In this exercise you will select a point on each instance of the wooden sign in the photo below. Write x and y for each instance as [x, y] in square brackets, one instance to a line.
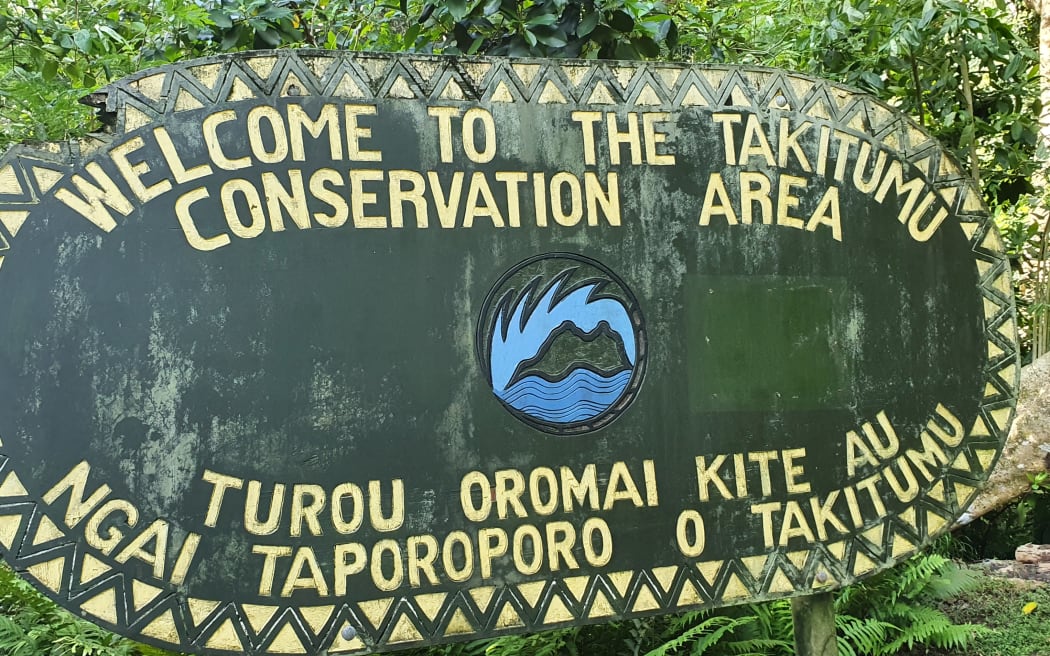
[348, 352]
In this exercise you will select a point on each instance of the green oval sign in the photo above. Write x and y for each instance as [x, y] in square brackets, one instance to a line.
[346, 352]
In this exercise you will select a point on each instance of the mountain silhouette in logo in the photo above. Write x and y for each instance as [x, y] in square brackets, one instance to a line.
[601, 352]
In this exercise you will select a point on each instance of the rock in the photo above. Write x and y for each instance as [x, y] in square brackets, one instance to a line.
[1033, 553]
[1027, 448]
[1022, 573]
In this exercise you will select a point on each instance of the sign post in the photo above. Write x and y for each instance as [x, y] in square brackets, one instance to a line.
[349, 352]
[814, 619]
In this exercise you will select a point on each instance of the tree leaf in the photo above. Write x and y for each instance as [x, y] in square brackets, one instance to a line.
[929, 11]
[587, 24]
[672, 35]
[1012, 67]
[457, 9]
[221, 19]
[519, 49]
[82, 41]
[968, 133]
[646, 46]
[232, 38]
[269, 36]
[553, 39]
[851, 12]
[49, 69]
[662, 28]
[625, 50]
[274, 13]
[873, 80]
[621, 21]
[411, 34]
[110, 32]
[539, 15]
[75, 73]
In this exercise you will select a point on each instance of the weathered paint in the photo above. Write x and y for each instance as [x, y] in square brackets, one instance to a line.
[286, 362]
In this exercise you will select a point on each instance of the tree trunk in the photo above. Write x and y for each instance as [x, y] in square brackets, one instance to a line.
[813, 617]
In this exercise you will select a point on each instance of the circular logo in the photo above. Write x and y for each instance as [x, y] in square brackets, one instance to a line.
[562, 342]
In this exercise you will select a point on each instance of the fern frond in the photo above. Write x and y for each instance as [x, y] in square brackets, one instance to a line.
[845, 648]
[759, 647]
[15, 639]
[951, 581]
[934, 629]
[863, 637]
[774, 619]
[706, 634]
[915, 574]
[548, 643]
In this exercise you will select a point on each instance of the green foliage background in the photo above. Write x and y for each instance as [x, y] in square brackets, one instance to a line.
[967, 71]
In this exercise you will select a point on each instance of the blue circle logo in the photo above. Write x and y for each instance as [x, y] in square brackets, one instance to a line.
[561, 340]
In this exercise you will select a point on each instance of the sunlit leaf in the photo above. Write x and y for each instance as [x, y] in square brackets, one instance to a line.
[411, 34]
[221, 19]
[49, 70]
[457, 9]
[82, 41]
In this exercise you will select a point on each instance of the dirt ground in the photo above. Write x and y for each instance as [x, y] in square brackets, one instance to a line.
[1011, 569]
